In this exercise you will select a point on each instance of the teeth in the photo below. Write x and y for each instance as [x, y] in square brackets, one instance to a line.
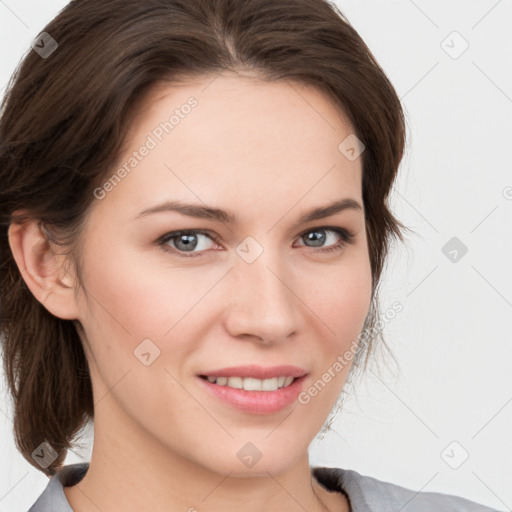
[234, 382]
[251, 384]
[288, 381]
[269, 384]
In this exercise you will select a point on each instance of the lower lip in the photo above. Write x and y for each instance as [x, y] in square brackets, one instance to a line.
[256, 402]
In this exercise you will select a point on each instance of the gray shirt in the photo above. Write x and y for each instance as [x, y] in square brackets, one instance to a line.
[365, 493]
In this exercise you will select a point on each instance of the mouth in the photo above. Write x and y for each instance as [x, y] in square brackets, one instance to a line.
[253, 389]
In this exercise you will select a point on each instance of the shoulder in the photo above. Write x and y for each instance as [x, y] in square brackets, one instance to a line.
[53, 498]
[370, 494]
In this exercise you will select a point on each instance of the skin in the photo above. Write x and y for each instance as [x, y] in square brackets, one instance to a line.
[268, 152]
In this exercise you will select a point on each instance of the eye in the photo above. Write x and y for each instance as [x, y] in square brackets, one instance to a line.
[317, 236]
[182, 242]
[185, 241]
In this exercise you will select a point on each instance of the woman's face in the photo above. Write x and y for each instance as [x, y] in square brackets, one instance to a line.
[266, 289]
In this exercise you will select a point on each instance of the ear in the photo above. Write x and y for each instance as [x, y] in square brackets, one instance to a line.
[43, 270]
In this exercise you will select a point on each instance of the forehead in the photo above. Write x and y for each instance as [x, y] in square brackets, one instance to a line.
[214, 135]
[242, 111]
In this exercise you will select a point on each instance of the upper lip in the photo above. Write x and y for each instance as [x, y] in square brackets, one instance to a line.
[257, 372]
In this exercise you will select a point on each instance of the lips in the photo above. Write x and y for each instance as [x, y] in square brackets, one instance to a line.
[255, 401]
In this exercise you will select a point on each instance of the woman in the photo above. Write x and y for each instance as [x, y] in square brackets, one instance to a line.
[195, 220]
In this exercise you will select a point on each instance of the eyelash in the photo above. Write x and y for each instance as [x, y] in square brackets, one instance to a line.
[346, 238]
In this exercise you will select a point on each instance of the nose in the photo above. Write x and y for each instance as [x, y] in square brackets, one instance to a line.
[262, 304]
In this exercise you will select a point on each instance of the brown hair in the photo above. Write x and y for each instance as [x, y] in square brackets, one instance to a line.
[63, 123]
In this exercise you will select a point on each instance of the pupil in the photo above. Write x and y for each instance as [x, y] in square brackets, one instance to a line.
[189, 244]
[314, 238]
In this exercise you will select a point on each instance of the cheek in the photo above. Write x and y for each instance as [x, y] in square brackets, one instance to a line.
[344, 298]
[131, 301]
[138, 294]
[136, 322]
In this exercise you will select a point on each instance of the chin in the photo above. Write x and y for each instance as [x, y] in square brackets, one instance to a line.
[249, 459]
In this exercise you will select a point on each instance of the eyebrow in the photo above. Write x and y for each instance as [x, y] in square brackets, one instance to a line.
[219, 215]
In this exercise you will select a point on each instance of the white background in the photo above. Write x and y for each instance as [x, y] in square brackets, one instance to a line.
[452, 339]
